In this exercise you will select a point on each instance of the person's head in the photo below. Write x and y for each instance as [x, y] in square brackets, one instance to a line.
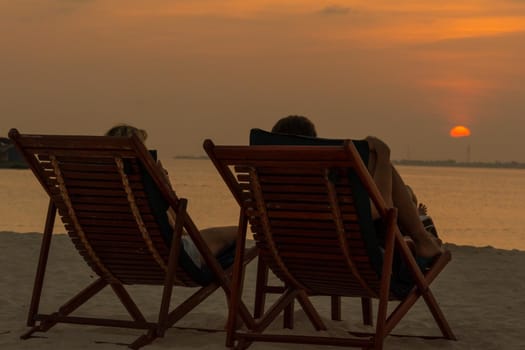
[295, 125]
[127, 130]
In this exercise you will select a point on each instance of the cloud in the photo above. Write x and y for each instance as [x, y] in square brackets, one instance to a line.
[75, 1]
[503, 41]
[68, 7]
[335, 10]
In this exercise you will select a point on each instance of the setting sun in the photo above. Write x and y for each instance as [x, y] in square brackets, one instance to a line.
[459, 131]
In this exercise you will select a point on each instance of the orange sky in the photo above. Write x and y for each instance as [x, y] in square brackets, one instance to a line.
[406, 71]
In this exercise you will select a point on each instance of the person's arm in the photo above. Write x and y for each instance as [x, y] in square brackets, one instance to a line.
[164, 173]
[380, 167]
[379, 147]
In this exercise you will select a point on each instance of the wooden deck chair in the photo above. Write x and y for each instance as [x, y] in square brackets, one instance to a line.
[262, 137]
[104, 189]
[309, 209]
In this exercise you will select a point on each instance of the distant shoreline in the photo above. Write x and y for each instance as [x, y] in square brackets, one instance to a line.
[430, 163]
[453, 163]
[191, 157]
[436, 163]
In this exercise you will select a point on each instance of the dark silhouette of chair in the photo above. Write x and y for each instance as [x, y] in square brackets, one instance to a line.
[262, 137]
[309, 210]
[112, 198]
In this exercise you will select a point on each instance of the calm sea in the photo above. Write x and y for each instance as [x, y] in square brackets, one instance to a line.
[478, 207]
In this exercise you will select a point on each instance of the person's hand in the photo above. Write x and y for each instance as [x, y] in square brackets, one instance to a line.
[422, 209]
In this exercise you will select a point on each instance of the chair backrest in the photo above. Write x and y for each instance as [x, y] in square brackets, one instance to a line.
[309, 211]
[99, 186]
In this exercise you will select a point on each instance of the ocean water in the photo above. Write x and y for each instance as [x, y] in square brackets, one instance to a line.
[470, 206]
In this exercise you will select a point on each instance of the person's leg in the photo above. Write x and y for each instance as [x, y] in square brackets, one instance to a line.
[219, 238]
[395, 193]
[409, 221]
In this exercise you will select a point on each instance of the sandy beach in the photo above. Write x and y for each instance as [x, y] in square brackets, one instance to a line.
[480, 292]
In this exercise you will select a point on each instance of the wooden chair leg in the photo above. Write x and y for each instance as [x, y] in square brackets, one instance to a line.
[421, 288]
[42, 263]
[336, 307]
[234, 302]
[310, 311]
[288, 314]
[173, 260]
[384, 293]
[260, 288]
[438, 315]
[128, 302]
[286, 298]
[144, 339]
[366, 306]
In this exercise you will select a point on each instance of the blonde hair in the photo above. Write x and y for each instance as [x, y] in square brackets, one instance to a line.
[127, 130]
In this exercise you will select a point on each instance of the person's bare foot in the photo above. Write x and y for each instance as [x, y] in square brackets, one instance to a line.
[427, 246]
[436, 239]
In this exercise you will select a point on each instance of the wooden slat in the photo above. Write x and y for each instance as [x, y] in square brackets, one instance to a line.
[281, 179]
[108, 201]
[290, 197]
[104, 245]
[262, 171]
[86, 223]
[106, 176]
[76, 154]
[89, 168]
[103, 207]
[88, 183]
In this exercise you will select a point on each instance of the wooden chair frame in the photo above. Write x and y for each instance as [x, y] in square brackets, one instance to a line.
[51, 148]
[239, 166]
